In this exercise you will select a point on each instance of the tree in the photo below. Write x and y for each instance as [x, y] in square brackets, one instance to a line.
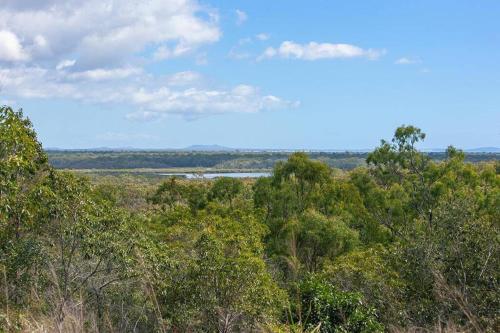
[451, 266]
[405, 241]
[23, 166]
[61, 245]
[295, 186]
[319, 238]
[223, 284]
[225, 190]
[22, 162]
[169, 193]
[303, 176]
[332, 310]
[372, 273]
[400, 163]
[87, 243]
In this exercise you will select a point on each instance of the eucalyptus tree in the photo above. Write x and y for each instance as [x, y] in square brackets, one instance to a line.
[23, 166]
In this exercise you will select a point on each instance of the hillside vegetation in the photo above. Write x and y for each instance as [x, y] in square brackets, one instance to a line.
[190, 159]
[114, 160]
[403, 243]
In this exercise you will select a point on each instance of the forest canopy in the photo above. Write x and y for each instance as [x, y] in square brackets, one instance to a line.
[402, 243]
[110, 160]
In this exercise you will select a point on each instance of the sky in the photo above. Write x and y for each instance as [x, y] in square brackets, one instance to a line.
[277, 74]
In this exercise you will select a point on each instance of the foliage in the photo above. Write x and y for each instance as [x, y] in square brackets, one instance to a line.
[225, 189]
[371, 273]
[408, 241]
[332, 310]
[115, 160]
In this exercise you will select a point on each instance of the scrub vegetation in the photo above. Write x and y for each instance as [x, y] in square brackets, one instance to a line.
[401, 243]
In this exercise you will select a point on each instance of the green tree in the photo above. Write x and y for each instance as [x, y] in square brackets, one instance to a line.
[303, 176]
[169, 193]
[371, 272]
[23, 166]
[332, 310]
[222, 284]
[225, 190]
[319, 238]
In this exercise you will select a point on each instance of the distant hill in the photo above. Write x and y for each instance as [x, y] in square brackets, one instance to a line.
[218, 148]
[483, 150]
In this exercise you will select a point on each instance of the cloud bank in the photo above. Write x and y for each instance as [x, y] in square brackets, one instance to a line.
[183, 93]
[100, 33]
[95, 51]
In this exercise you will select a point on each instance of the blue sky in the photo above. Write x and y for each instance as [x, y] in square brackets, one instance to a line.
[252, 74]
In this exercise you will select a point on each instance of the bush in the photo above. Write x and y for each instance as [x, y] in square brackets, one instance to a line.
[334, 310]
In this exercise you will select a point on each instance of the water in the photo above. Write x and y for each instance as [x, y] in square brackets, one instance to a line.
[216, 175]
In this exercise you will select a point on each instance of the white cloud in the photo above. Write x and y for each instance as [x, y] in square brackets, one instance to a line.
[11, 48]
[185, 78]
[262, 36]
[316, 51]
[102, 33]
[65, 64]
[23, 82]
[240, 50]
[164, 52]
[241, 17]
[101, 74]
[198, 102]
[143, 116]
[93, 51]
[268, 53]
[237, 52]
[234, 53]
[185, 93]
[408, 61]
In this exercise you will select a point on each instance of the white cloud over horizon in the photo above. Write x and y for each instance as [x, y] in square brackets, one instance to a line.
[198, 102]
[316, 51]
[185, 93]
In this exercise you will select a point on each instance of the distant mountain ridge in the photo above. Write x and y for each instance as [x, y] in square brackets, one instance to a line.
[483, 150]
[219, 148]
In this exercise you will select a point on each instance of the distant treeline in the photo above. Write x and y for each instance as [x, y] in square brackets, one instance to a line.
[220, 160]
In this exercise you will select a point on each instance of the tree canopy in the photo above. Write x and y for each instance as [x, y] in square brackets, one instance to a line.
[404, 243]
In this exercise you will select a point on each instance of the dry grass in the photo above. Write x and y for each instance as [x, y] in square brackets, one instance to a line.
[438, 328]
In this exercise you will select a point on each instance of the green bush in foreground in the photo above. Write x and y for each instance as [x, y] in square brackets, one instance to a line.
[325, 306]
